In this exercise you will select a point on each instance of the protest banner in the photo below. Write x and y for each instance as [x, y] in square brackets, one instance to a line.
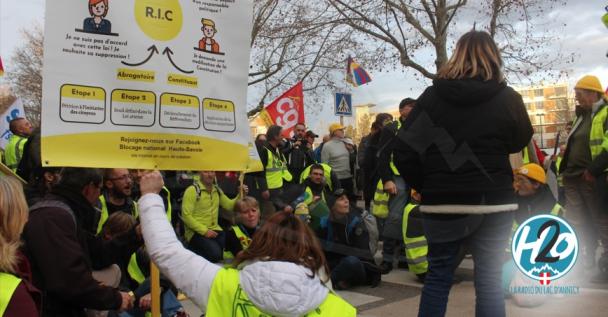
[286, 111]
[146, 84]
[13, 111]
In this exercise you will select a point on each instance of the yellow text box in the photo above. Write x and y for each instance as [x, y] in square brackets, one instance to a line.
[181, 80]
[83, 92]
[133, 96]
[178, 100]
[136, 75]
[218, 105]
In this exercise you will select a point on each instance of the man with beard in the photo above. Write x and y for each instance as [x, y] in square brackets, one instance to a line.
[116, 195]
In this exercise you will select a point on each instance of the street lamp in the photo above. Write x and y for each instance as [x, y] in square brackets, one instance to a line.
[540, 118]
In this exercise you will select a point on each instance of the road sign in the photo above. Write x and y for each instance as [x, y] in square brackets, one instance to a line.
[343, 105]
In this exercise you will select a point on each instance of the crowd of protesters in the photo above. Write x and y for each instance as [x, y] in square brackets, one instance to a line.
[420, 191]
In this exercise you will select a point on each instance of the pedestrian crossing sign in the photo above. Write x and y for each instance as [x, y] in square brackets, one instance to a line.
[343, 105]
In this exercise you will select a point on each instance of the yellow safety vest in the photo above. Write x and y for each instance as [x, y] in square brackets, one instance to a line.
[525, 155]
[309, 196]
[392, 164]
[105, 214]
[380, 202]
[276, 170]
[598, 137]
[244, 239]
[14, 151]
[416, 248]
[326, 173]
[8, 283]
[227, 298]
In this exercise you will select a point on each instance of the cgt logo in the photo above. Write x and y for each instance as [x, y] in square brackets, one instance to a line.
[544, 248]
[288, 113]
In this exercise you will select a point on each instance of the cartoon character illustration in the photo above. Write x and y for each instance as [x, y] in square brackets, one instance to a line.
[207, 43]
[97, 23]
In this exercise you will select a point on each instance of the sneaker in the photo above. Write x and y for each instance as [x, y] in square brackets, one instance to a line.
[386, 267]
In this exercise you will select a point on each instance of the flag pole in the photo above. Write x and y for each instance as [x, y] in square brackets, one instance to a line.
[155, 289]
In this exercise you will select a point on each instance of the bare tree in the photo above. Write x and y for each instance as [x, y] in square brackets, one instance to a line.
[295, 41]
[405, 31]
[25, 75]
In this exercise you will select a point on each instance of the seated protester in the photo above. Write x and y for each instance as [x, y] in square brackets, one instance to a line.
[534, 198]
[238, 237]
[62, 227]
[116, 195]
[279, 274]
[118, 224]
[200, 210]
[316, 191]
[170, 204]
[533, 194]
[345, 237]
[18, 297]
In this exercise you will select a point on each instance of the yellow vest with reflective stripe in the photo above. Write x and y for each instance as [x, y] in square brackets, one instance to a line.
[244, 239]
[557, 211]
[228, 299]
[380, 202]
[105, 214]
[598, 138]
[276, 170]
[8, 285]
[14, 151]
[326, 174]
[134, 271]
[416, 248]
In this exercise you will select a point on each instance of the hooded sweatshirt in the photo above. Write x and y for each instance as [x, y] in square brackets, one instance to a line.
[455, 144]
[275, 287]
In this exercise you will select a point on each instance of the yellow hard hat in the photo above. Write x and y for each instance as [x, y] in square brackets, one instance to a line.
[590, 82]
[335, 127]
[532, 171]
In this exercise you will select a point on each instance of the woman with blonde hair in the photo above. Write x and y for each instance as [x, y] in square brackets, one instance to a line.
[454, 149]
[277, 275]
[15, 293]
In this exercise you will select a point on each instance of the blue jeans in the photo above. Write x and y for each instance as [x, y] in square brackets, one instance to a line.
[210, 249]
[487, 240]
[349, 272]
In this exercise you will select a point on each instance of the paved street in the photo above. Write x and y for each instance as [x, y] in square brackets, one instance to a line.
[399, 293]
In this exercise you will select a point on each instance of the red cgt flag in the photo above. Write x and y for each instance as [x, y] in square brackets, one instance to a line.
[286, 111]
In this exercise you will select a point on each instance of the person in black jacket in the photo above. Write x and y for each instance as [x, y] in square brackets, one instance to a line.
[345, 238]
[454, 149]
[63, 249]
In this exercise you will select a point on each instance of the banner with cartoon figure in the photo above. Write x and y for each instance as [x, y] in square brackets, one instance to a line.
[146, 84]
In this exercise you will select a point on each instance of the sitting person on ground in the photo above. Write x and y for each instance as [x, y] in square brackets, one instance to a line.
[316, 190]
[18, 297]
[345, 237]
[138, 273]
[279, 274]
[238, 237]
[116, 195]
[416, 247]
[62, 227]
[200, 211]
[533, 198]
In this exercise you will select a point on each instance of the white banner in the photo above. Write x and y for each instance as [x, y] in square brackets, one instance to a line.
[146, 84]
[14, 111]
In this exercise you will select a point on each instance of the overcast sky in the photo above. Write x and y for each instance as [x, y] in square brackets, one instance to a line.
[584, 35]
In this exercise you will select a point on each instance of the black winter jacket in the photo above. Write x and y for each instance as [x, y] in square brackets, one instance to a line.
[454, 146]
[63, 250]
